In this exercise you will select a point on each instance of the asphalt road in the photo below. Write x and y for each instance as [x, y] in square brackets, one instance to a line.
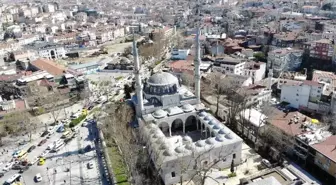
[54, 171]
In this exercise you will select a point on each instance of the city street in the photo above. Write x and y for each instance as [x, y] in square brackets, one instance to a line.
[66, 166]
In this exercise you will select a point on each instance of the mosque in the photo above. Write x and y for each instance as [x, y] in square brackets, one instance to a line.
[180, 136]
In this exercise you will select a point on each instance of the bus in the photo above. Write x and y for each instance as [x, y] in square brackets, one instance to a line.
[22, 154]
[66, 133]
[14, 178]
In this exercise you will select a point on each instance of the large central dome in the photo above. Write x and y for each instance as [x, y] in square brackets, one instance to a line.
[162, 78]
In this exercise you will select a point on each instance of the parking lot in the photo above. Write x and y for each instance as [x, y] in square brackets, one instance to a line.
[67, 166]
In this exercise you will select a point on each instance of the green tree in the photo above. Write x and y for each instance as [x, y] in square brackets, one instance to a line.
[260, 57]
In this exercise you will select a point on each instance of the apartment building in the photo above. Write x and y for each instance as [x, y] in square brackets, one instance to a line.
[255, 70]
[285, 59]
[322, 49]
[229, 65]
[304, 95]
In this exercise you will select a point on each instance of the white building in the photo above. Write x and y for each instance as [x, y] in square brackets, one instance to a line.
[255, 70]
[179, 135]
[180, 54]
[285, 59]
[250, 121]
[304, 95]
[229, 65]
[48, 50]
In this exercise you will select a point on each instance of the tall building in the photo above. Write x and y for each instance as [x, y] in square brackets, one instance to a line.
[180, 136]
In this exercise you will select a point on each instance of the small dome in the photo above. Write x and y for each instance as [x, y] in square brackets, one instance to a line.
[229, 136]
[158, 134]
[210, 141]
[190, 146]
[179, 149]
[160, 140]
[159, 113]
[223, 131]
[151, 125]
[200, 143]
[187, 108]
[220, 138]
[168, 153]
[208, 118]
[212, 122]
[164, 146]
[187, 139]
[216, 127]
[153, 131]
[203, 114]
[162, 78]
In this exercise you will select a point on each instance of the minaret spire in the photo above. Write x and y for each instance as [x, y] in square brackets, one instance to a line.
[137, 79]
[198, 60]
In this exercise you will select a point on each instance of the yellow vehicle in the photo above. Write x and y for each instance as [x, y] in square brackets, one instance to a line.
[41, 161]
[66, 133]
[22, 154]
[84, 112]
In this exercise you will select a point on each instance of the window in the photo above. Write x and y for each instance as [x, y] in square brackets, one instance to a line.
[318, 91]
[173, 174]
[233, 156]
[297, 94]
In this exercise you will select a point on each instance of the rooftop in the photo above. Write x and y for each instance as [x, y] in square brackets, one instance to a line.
[327, 148]
[292, 123]
[49, 66]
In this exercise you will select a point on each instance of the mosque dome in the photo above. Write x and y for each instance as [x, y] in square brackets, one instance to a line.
[200, 143]
[168, 153]
[190, 146]
[187, 108]
[210, 141]
[220, 138]
[180, 149]
[216, 127]
[162, 78]
[202, 114]
[162, 83]
[223, 131]
[164, 146]
[212, 122]
[228, 136]
[159, 113]
[207, 118]
[187, 139]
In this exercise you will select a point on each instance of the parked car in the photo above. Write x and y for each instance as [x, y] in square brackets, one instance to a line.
[23, 143]
[43, 154]
[88, 148]
[34, 161]
[90, 107]
[38, 177]
[16, 167]
[44, 133]
[31, 148]
[266, 163]
[42, 142]
[90, 165]
[8, 166]
[1, 175]
[23, 169]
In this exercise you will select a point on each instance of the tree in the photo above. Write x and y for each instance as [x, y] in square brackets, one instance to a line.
[187, 79]
[117, 131]
[128, 91]
[260, 57]
[127, 51]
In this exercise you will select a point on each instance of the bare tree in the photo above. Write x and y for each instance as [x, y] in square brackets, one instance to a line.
[118, 132]
[187, 79]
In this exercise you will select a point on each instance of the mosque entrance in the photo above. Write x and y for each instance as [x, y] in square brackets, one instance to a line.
[177, 126]
[164, 126]
[191, 124]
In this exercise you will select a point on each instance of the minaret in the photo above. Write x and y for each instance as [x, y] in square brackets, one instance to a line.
[197, 64]
[137, 75]
[270, 76]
